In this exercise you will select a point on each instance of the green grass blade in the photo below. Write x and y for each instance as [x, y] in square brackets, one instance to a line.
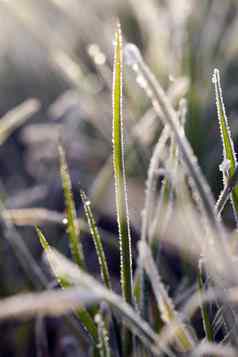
[119, 173]
[72, 226]
[101, 259]
[43, 241]
[224, 196]
[207, 326]
[229, 155]
[81, 313]
[97, 241]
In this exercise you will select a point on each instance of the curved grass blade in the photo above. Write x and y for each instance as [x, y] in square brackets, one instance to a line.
[97, 240]
[165, 304]
[48, 302]
[71, 272]
[72, 226]
[119, 173]
[229, 155]
[81, 313]
[169, 116]
[16, 117]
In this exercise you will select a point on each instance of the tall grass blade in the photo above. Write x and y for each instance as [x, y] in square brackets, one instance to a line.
[229, 155]
[81, 313]
[97, 241]
[72, 226]
[119, 172]
[147, 211]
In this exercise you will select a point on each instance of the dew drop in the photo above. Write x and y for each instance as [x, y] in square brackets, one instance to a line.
[141, 81]
[97, 319]
[215, 76]
[65, 221]
[135, 67]
[149, 92]
[171, 78]
[214, 80]
[87, 203]
[132, 54]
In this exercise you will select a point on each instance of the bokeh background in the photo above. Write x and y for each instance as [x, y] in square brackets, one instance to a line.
[61, 53]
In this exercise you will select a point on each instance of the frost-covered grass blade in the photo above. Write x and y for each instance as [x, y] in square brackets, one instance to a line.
[103, 337]
[167, 113]
[165, 304]
[229, 155]
[97, 241]
[119, 172]
[81, 313]
[72, 226]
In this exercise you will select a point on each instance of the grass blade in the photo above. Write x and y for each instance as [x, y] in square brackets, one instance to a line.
[81, 313]
[229, 155]
[16, 117]
[72, 226]
[224, 196]
[51, 303]
[165, 203]
[103, 337]
[204, 311]
[151, 180]
[148, 209]
[165, 304]
[170, 118]
[119, 173]
[97, 241]
[103, 269]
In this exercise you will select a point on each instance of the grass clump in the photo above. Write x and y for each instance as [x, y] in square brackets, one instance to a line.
[161, 324]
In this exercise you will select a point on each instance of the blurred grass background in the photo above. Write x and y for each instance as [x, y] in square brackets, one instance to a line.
[60, 52]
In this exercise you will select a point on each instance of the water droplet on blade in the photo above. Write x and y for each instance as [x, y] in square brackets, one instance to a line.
[65, 221]
[132, 54]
